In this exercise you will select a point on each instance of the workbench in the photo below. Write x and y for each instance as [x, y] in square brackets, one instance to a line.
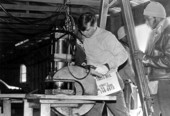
[45, 102]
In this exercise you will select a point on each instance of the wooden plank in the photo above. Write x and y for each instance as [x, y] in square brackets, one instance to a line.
[41, 14]
[141, 79]
[30, 7]
[30, 15]
[71, 97]
[7, 107]
[28, 111]
[104, 7]
[12, 95]
[71, 2]
[65, 105]
[28, 31]
[51, 101]
[0, 111]
[45, 110]
[17, 101]
[54, 8]
[103, 13]
[37, 105]
[59, 97]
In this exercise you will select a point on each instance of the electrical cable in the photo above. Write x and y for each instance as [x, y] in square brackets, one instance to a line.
[88, 72]
[83, 90]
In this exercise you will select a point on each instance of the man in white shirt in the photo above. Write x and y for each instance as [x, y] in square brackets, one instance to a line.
[106, 53]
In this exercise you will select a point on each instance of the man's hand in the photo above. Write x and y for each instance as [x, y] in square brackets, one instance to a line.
[102, 69]
[96, 74]
[139, 55]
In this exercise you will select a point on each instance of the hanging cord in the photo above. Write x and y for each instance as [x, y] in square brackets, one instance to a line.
[87, 67]
[83, 90]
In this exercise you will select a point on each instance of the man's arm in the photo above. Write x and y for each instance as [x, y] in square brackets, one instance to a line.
[162, 61]
[119, 53]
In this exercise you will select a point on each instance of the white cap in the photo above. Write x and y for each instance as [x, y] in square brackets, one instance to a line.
[121, 32]
[155, 9]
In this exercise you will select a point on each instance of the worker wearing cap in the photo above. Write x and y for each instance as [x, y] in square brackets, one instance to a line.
[157, 57]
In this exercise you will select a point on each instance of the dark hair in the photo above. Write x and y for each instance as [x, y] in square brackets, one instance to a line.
[84, 19]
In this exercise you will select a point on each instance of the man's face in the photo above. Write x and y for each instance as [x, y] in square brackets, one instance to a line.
[151, 21]
[89, 31]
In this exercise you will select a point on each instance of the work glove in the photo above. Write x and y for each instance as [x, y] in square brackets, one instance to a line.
[102, 69]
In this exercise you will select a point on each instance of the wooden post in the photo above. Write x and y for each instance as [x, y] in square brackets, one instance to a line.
[28, 111]
[141, 79]
[104, 7]
[6, 107]
[45, 110]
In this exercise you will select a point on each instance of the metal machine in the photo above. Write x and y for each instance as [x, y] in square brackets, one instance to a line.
[63, 83]
[66, 78]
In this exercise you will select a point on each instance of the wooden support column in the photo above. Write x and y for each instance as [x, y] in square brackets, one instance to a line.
[28, 111]
[104, 7]
[141, 79]
[45, 110]
[6, 107]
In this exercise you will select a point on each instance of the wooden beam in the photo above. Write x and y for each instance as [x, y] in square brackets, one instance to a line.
[25, 15]
[12, 95]
[71, 2]
[7, 107]
[32, 7]
[65, 101]
[72, 97]
[103, 13]
[22, 26]
[28, 111]
[112, 2]
[58, 97]
[41, 11]
[104, 7]
[142, 82]
[45, 109]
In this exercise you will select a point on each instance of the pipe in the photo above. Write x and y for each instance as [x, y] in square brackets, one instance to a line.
[9, 86]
